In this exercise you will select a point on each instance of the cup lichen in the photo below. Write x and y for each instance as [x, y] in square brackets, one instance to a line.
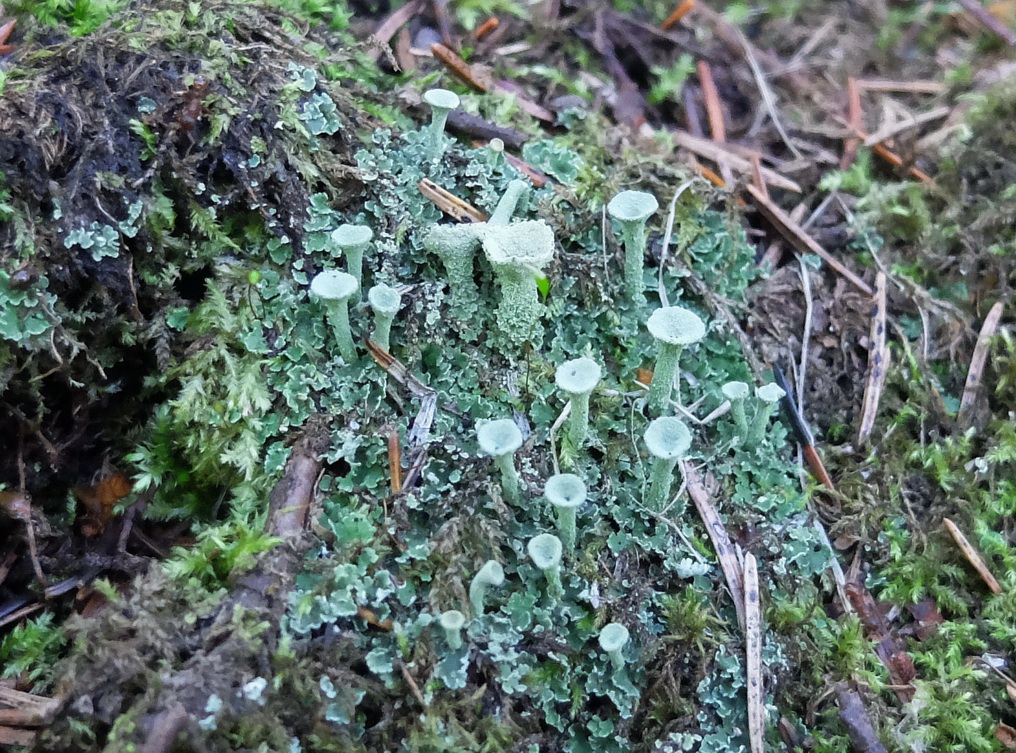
[768, 396]
[668, 440]
[578, 378]
[545, 550]
[490, 575]
[517, 252]
[500, 439]
[613, 638]
[441, 102]
[737, 393]
[566, 492]
[673, 328]
[455, 246]
[335, 289]
[385, 302]
[452, 622]
[632, 209]
[353, 240]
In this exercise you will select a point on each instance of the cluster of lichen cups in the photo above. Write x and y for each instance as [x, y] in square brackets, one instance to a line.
[766, 398]
[337, 290]
[516, 252]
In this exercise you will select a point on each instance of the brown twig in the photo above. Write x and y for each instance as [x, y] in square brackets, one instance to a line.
[725, 552]
[878, 361]
[722, 153]
[461, 69]
[399, 18]
[907, 87]
[854, 114]
[801, 240]
[449, 203]
[483, 82]
[711, 97]
[395, 461]
[977, 361]
[895, 129]
[537, 178]
[753, 655]
[413, 687]
[682, 10]
[486, 27]
[482, 130]
[972, 556]
[984, 17]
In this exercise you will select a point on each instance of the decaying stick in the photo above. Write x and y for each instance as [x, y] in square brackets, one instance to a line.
[895, 129]
[753, 655]
[392, 24]
[878, 361]
[854, 115]
[682, 10]
[977, 361]
[973, 556]
[856, 719]
[449, 203]
[984, 17]
[725, 551]
[724, 155]
[801, 240]
[908, 87]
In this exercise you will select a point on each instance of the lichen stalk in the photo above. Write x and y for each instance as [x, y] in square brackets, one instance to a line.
[633, 236]
[566, 527]
[338, 317]
[383, 328]
[740, 419]
[509, 477]
[491, 574]
[516, 191]
[438, 120]
[661, 478]
[578, 420]
[354, 265]
[519, 310]
[554, 587]
[763, 412]
[663, 385]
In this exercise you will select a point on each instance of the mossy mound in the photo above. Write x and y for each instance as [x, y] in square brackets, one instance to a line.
[181, 253]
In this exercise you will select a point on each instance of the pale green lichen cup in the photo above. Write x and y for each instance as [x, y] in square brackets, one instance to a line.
[668, 440]
[566, 492]
[673, 328]
[631, 209]
[500, 439]
[335, 289]
[578, 378]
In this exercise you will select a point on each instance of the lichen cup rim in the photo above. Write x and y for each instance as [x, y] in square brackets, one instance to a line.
[352, 235]
[492, 573]
[499, 437]
[676, 326]
[613, 637]
[565, 490]
[667, 438]
[442, 98]
[735, 390]
[529, 243]
[333, 285]
[545, 550]
[770, 393]
[632, 206]
[578, 376]
[385, 298]
[452, 619]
